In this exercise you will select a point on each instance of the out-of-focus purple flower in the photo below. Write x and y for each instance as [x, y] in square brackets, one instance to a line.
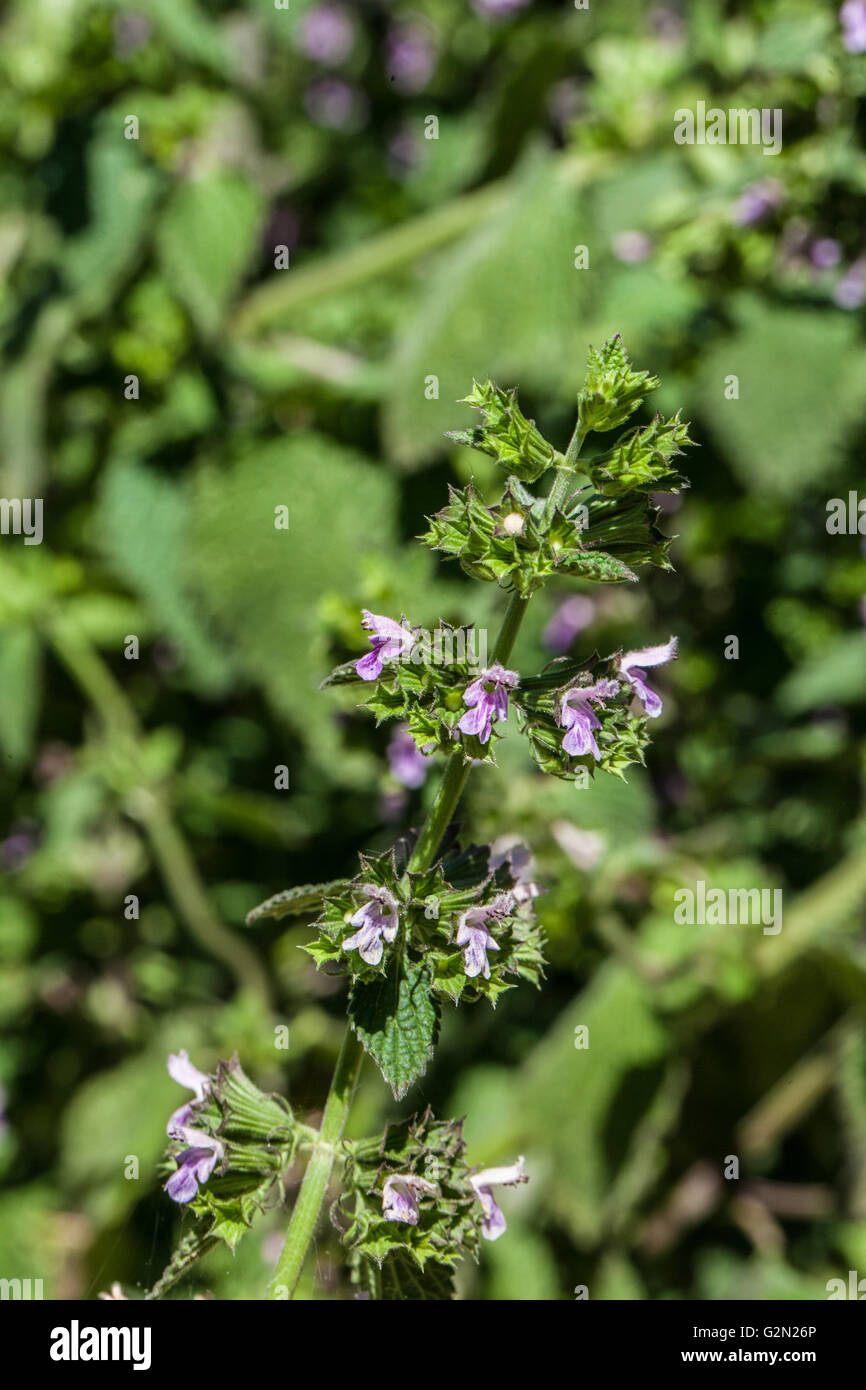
[493, 1223]
[498, 9]
[853, 18]
[631, 247]
[334, 105]
[666, 24]
[195, 1164]
[757, 201]
[579, 719]
[377, 921]
[400, 1197]
[825, 253]
[510, 850]
[410, 56]
[631, 666]
[487, 698]
[570, 618]
[389, 641]
[181, 1070]
[20, 843]
[583, 847]
[406, 763]
[326, 34]
[402, 153]
[473, 934]
[130, 31]
[851, 289]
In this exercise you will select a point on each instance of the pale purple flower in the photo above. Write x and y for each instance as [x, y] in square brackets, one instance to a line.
[181, 1070]
[825, 253]
[400, 1197]
[853, 17]
[326, 34]
[851, 289]
[496, 9]
[487, 698]
[474, 937]
[377, 921]
[577, 716]
[407, 764]
[631, 667]
[758, 200]
[334, 105]
[195, 1164]
[493, 1224]
[583, 847]
[389, 641]
[571, 616]
[631, 247]
[510, 850]
[411, 56]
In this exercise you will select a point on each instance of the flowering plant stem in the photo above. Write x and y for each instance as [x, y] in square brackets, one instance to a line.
[318, 1174]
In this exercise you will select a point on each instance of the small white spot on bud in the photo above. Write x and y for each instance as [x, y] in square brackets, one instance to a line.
[513, 523]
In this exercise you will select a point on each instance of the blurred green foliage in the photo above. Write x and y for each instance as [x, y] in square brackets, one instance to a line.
[308, 388]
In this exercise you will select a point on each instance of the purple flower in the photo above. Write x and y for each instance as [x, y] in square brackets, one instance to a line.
[572, 615]
[514, 853]
[497, 8]
[853, 17]
[400, 1197]
[473, 936]
[181, 1070]
[758, 201]
[334, 105]
[488, 701]
[631, 247]
[493, 1224]
[389, 642]
[195, 1164]
[377, 921]
[825, 253]
[579, 719]
[326, 34]
[411, 57]
[407, 764]
[851, 289]
[631, 667]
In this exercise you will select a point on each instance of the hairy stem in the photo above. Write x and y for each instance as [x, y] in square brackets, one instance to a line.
[306, 1212]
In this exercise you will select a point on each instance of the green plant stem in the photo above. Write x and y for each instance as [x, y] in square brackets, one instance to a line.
[149, 806]
[314, 1186]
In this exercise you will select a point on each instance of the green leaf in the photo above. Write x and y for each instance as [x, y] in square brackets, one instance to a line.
[504, 301]
[206, 240]
[802, 392]
[148, 555]
[397, 1021]
[402, 1279]
[308, 897]
[505, 433]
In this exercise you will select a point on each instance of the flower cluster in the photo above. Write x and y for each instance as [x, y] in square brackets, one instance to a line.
[433, 683]
[229, 1144]
[450, 918]
[410, 1201]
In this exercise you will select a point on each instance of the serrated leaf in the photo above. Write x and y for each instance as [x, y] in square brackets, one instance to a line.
[397, 1021]
[401, 1279]
[291, 902]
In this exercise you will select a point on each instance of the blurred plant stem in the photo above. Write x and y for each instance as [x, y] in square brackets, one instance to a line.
[150, 806]
[314, 1186]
